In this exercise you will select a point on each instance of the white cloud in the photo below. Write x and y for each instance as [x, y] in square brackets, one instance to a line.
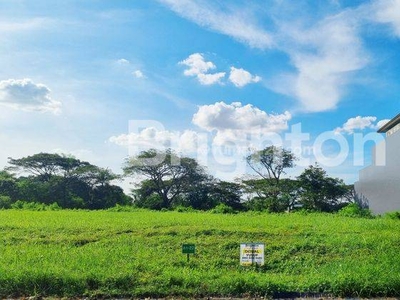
[221, 116]
[325, 52]
[208, 79]
[138, 74]
[360, 123]
[197, 65]
[388, 11]
[381, 123]
[8, 26]
[234, 122]
[324, 57]
[236, 24]
[150, 137]
[123, 62]
[241, 77]
[26, 95]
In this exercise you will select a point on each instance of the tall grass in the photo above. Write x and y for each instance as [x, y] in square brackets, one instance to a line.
[138, 253]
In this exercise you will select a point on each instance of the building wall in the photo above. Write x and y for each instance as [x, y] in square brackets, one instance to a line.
[379, 184]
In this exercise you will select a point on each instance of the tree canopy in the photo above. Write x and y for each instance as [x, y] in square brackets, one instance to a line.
[168, 174]
[65, 180]
[165, 179]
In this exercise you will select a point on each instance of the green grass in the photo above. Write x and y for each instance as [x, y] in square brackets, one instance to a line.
[138, 254]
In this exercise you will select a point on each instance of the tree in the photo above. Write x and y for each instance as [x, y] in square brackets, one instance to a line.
[70, 182]
[263, 194]
[170, 175]
[228, 193]
[269, 163]
[319, 191]
[45, 165]
[8, 185]
[211, 192]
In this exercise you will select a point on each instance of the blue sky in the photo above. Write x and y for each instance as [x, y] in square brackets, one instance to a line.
[102, 80]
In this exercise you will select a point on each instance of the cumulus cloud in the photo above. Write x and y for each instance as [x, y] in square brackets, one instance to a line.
[198, 66]
[241, 77]
[150, 137]
[26, 95]
[388, 12]
[220, 116]
[360, 123]
[224, 124]
[209, 79]
[382, 123]
[235, 121]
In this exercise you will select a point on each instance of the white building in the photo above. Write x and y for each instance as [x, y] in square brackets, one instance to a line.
[379, 184]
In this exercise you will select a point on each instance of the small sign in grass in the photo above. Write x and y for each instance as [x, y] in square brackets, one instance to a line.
[251, 254]
[188, 249]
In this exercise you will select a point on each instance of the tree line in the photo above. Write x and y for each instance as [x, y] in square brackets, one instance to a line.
[54, 178]
[167, 180]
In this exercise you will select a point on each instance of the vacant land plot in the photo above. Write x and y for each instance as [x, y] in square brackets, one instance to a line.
[70, 253]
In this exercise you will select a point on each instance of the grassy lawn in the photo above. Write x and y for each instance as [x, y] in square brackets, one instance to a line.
[102, 253]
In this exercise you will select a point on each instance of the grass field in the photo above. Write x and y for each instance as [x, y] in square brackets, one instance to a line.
[102, 253]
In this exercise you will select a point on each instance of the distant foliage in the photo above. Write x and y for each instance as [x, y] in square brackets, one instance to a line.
[166, 181]
[223, 209]
[181, 208]
[23, 205]
[53, 178]
[355, 211]
[123, 208]
[5, 202]
[395, 215]
[320, 192]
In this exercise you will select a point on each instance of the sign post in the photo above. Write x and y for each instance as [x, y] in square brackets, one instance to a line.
[188, 249]
[251, 254]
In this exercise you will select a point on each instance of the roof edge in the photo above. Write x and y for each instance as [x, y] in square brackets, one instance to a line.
[389, 125]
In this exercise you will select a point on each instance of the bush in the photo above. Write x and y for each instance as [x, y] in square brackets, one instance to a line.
[181, 208]
[5, 202]
[122, 208]
[54, 206]
[223, 209]
[394, 215]
[355, 211]
[23, 205]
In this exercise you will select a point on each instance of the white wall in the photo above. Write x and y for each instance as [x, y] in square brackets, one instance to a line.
[380, 185]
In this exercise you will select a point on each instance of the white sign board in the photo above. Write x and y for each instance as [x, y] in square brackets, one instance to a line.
[252, 253]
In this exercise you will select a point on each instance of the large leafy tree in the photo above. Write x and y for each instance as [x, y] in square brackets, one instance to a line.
[8, 185]
[270, 164]
[264, 194]
[168, 174]
[45, 165]
[319, 191]
[66, 180]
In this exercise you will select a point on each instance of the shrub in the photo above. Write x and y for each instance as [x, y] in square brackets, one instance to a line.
[223, 209]
[5, 202]
[355, 211]
[122, 208]
[23, 205]
[54, 206]
[395, 215]
[181, 208]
